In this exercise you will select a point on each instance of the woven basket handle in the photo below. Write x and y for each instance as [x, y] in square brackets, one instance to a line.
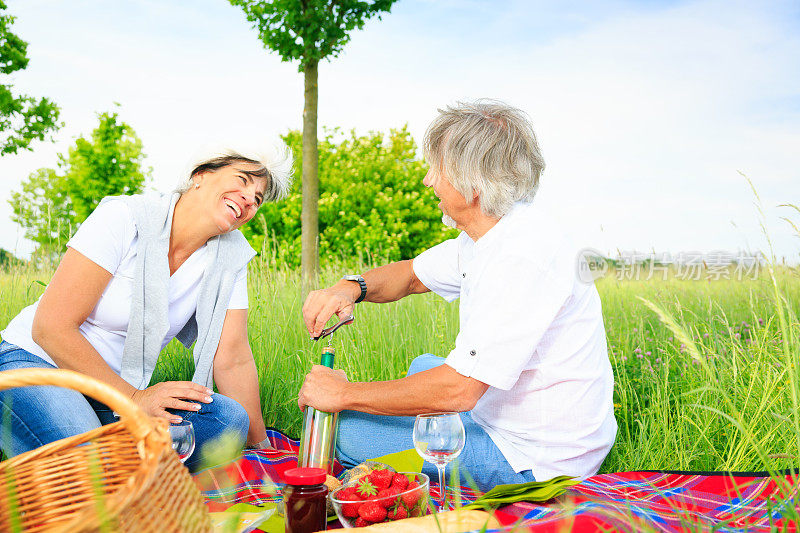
[136, 420]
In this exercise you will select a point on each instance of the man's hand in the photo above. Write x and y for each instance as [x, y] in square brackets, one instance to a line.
[323, 389]
[321, 305]
[157, 399]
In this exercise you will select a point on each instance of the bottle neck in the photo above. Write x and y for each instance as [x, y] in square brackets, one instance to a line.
[327, 358]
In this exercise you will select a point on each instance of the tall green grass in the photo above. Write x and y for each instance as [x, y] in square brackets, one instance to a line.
[706, 372]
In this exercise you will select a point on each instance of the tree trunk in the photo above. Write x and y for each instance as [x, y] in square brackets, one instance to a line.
[310, 217]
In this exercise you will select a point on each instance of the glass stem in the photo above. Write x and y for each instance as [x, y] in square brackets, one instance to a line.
[442, 486]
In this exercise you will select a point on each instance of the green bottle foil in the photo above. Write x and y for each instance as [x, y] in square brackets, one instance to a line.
[318, 440]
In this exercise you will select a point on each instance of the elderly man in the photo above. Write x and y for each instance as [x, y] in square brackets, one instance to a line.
[529, 372]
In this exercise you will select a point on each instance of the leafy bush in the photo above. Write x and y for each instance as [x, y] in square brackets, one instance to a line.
[8, 260]
[373, 205]
[54, 202]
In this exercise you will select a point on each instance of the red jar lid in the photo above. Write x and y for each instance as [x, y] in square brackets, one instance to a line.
[305, 476]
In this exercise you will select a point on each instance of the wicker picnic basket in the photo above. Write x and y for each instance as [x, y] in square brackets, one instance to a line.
[120, 477]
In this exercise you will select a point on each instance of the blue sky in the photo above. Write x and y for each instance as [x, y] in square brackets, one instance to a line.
[646, 111]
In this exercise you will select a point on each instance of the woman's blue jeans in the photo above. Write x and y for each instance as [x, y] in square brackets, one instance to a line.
[33, 416]
[364, 436]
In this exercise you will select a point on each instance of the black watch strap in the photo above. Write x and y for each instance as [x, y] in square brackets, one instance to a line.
[361, 283]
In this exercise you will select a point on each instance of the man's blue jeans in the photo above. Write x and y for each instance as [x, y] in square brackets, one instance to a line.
[33, 416]
[364, 436]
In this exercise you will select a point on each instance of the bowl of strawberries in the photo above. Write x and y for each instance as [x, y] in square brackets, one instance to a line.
[381, 496]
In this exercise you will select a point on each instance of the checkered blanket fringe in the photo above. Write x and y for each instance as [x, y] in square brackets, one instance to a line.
[623, 501]
[668, 501]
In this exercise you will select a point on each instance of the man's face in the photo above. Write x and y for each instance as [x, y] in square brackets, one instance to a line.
[452, 204]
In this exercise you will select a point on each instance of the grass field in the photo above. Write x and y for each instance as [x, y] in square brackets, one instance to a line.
[706, 371]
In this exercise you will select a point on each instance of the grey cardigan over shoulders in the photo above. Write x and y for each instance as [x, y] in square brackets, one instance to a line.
[227, 254]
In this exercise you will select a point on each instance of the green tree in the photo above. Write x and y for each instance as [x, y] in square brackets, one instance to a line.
[372, 202]
[108, 163]
[44, 210]
[8, 260]
[23, 119]
[53, 202]
[309, 31]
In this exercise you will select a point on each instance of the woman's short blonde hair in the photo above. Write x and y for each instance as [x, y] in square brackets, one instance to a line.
[489, 148]
[276, 169]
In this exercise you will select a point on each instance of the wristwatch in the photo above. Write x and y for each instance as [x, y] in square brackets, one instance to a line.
[361, 283]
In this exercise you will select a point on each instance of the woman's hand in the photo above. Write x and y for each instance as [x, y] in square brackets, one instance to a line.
[157, 399]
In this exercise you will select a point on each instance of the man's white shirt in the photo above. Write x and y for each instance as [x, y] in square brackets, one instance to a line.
[532, 331]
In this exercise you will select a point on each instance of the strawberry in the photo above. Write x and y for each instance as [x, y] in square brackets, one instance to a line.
[400, 482]
[413, 496]
[381, 478]
[365, 489]
[386, 497]
[350, 510]
[372, 512]
[349, 491]
[360, 522]
[398, 514]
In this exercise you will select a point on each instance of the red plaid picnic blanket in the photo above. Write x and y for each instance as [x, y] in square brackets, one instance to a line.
[256, 478]
[667, 501]
[623, 501]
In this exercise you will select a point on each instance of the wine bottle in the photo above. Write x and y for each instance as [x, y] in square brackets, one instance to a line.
[318, 439]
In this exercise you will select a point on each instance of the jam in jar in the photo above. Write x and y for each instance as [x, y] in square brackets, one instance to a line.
[304, 499]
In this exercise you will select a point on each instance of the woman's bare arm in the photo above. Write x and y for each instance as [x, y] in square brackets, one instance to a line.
[69, 298]
[235, 371]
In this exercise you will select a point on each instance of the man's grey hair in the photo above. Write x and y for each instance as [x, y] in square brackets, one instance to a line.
[275, 168]
[488, 147]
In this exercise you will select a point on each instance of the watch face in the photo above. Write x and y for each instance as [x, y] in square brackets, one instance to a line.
[352, 277]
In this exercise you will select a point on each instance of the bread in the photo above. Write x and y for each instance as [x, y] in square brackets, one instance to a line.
[361, 470]
[332, 483]
[448, 522]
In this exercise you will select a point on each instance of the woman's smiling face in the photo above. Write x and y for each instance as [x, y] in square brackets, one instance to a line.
[231, 194]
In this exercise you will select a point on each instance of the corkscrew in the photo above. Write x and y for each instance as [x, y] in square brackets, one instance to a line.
[328, 331]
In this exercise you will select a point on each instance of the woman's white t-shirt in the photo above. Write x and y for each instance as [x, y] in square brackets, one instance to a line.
[108, 237]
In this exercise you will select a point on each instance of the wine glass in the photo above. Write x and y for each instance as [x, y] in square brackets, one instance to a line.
[439, 438]
[183, 441]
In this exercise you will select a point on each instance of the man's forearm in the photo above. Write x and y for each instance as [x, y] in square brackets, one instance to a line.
[424, 392]
[389, 283]
[384, 284]
[240, 382]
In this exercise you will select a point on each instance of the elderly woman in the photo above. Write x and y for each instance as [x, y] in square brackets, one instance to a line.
[140, 271]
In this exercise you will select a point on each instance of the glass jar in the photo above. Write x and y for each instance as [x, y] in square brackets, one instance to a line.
[304, 499]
